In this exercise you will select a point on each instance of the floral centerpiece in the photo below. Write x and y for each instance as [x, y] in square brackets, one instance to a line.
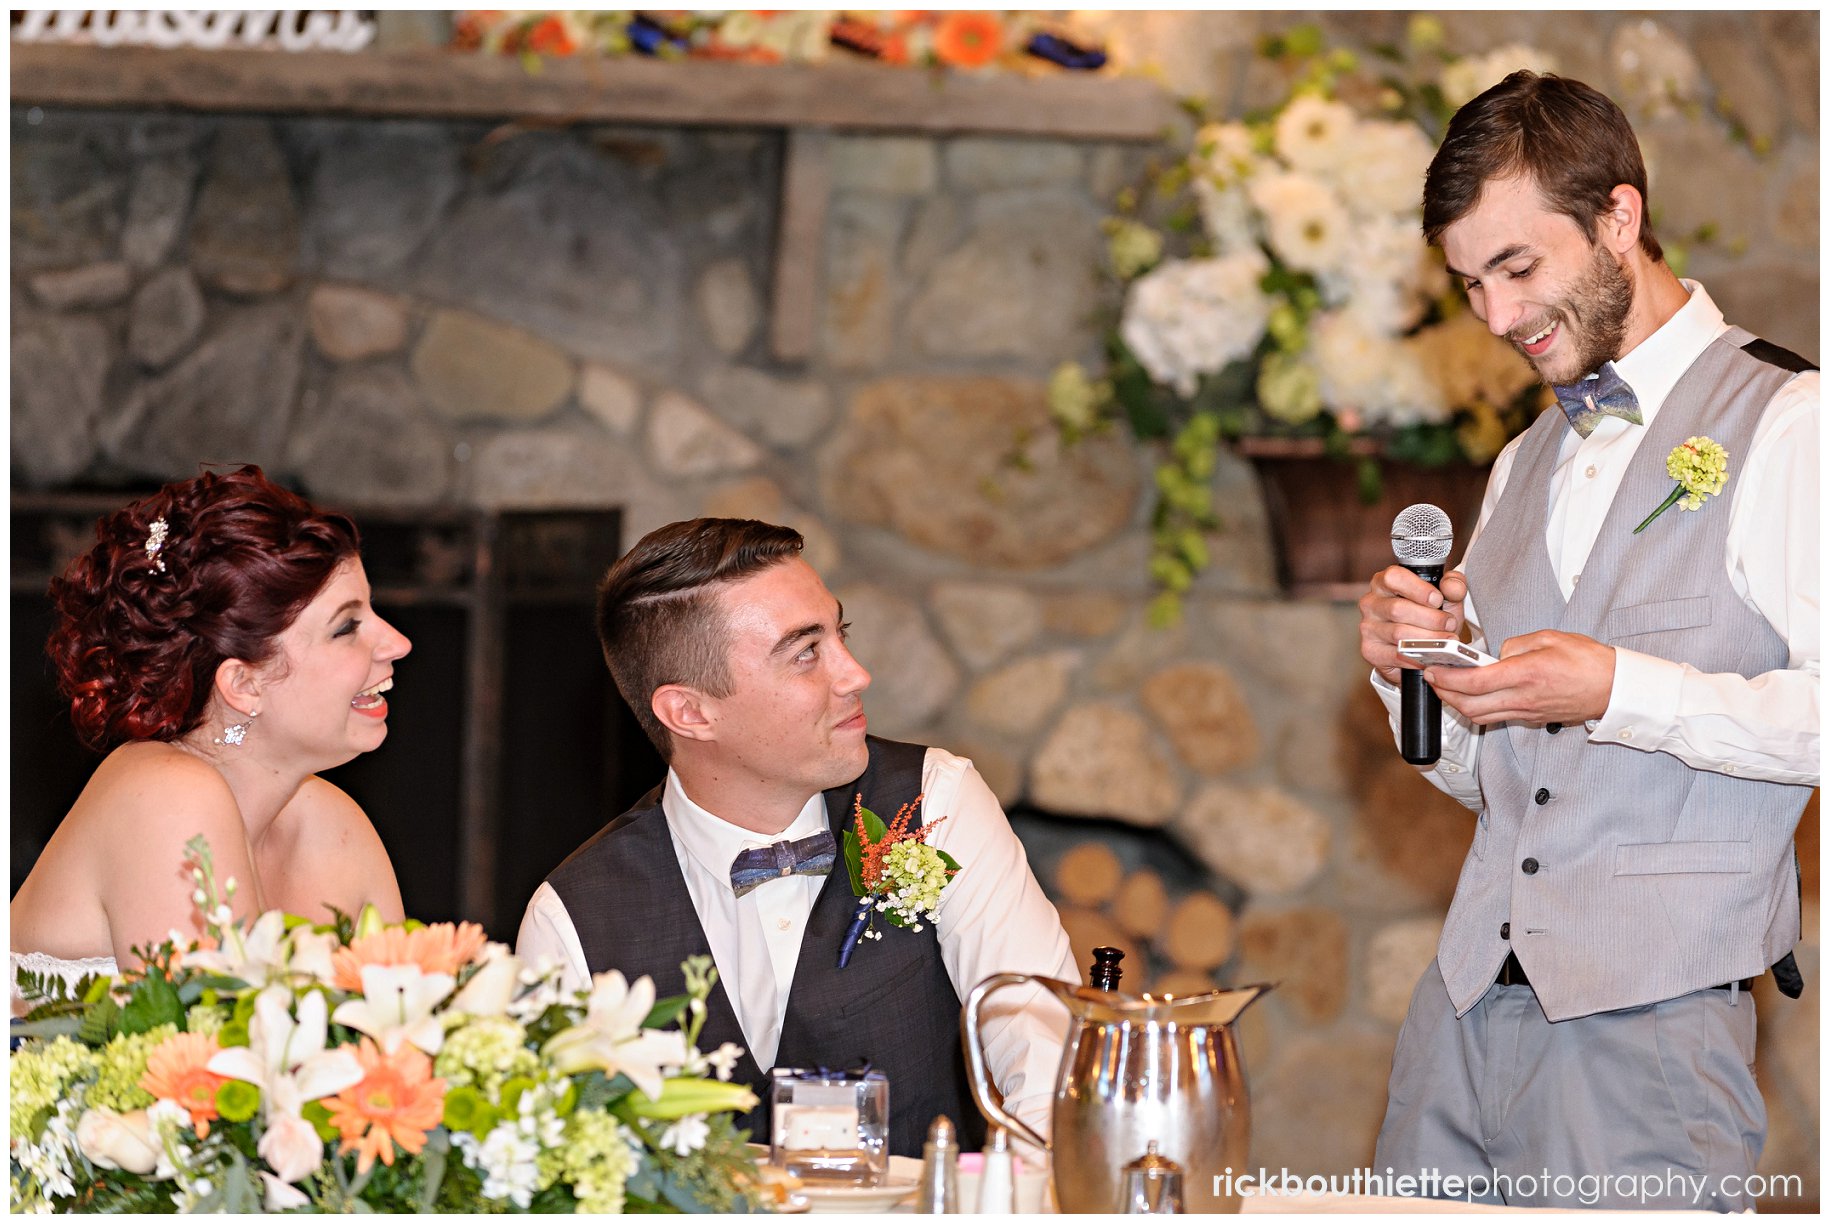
[956, 39]
[280, 1065]
[1276, 284]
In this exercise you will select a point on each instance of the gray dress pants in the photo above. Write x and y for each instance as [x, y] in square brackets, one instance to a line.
[1652, 1106]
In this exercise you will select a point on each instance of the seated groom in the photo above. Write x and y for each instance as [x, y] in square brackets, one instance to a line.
[732, 654]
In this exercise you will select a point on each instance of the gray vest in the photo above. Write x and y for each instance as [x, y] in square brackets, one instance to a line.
[893, 1005]
[1624, 877]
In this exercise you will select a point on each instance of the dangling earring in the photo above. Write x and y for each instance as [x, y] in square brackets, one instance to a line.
[235, 733]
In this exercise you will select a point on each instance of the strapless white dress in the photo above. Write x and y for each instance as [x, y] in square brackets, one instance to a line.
[70, 972]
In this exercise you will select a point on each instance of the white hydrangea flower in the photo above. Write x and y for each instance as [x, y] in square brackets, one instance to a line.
[1361, 369]
[1381, 171]
[1192, 317]
[1389, 278]
[1307, 225]
[1227, 217]
[1312, 133]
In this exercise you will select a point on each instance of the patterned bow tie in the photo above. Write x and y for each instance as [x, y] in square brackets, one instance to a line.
[809, 856]
[1607, 394]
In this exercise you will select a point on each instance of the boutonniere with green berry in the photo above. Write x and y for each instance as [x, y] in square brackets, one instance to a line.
[1700, 467]
[894, 872]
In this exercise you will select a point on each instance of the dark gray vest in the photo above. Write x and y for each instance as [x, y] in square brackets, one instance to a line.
[1621, 877]
[894, 1005]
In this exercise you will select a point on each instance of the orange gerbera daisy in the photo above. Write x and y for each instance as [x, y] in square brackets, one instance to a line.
[178, 1071]
[550, 36]
[439, 948]
[968, 40]
[398, 1101]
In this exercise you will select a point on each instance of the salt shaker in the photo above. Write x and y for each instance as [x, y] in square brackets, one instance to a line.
[1151, 1185]
[998, 1181]
[938, 1193]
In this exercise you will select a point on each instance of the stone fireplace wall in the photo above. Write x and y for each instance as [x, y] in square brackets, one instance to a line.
[421, 314]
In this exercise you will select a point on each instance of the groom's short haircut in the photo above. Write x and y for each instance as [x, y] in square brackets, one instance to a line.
[658, 615]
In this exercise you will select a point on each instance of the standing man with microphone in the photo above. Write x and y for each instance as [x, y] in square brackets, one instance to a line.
[1641, 753]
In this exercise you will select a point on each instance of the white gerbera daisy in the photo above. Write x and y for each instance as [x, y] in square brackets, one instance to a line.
[1312, 133]
[1305, 222]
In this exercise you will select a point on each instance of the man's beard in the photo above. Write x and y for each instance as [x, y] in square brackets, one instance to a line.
[1593, 316]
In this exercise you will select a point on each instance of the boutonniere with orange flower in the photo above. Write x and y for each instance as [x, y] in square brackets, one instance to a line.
[894, 872]
[1700, 467]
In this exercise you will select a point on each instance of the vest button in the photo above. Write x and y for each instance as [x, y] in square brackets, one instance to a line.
[1529, 866]
[1553, 728]
[1505, 930]
[1542, 797]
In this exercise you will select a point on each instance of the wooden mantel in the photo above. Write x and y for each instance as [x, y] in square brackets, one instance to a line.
[810, 102]
[843, 96]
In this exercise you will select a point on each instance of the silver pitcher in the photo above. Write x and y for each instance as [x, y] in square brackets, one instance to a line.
[1136, 1068]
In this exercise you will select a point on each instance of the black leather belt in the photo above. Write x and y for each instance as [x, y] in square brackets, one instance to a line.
[1513, 974]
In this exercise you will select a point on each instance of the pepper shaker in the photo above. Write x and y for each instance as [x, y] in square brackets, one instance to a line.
[938, 1193]
[1105, 972]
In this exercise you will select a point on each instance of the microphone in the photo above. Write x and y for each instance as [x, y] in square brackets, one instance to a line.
[1421, 540]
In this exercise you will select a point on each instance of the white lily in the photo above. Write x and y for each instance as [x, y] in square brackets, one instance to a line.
[396, 1006]
[311, 954]
[611, 1038]
[287, 1060]
[492, 987]
[285, 1057]
[255, 956]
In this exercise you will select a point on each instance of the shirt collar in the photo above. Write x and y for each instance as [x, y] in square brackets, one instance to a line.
[1654, 366]
[714, 842]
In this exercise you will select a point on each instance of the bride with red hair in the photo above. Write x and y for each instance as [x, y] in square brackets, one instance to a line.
[218, 643]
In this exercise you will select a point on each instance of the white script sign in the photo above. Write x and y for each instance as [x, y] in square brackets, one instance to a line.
[287, 29]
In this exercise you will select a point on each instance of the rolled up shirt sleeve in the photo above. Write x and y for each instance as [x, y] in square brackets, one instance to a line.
[547, 931]
[994, 918]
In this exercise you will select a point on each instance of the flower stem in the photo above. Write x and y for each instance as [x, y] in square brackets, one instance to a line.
[1663, 506]
[855, 931]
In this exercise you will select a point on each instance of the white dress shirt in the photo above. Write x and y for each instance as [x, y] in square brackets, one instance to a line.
[1765, 727]
[993, 918]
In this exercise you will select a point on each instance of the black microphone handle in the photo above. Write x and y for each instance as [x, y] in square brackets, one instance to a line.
[1420, 714]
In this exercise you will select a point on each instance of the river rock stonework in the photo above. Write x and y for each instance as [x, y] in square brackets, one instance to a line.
[409, 314]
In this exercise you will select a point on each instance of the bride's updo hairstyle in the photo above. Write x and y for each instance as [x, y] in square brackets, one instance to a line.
[204, 570]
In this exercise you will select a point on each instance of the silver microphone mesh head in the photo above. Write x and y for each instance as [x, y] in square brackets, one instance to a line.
[1422, 535]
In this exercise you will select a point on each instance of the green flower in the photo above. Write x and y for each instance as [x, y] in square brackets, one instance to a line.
[1700, 467]
[123, 1063]
[39, 1078]
[1134, 248]
[595, 1160]
[237, 1100]
[917, 873]
[1289, 388]
[206, 1018]
[486, 1051]
[1074, 400]
[466, 1110]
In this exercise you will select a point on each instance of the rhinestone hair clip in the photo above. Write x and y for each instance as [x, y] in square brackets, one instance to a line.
[155, 540]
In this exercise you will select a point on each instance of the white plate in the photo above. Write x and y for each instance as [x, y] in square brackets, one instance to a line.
[829, 1200]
